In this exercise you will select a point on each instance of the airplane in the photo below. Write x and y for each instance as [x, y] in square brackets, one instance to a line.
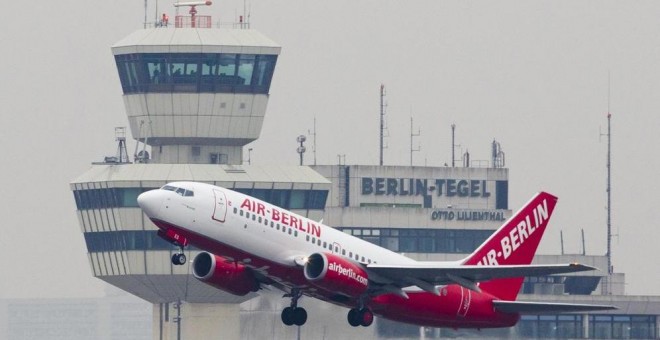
[248, 245]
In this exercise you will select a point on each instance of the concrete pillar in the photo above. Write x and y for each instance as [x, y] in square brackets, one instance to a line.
[174, 321]
[585, 326]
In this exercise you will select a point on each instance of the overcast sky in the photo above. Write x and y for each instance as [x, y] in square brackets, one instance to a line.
[531, 74]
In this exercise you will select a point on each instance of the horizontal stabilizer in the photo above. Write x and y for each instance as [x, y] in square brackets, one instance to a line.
[525, 307]
[441, 274]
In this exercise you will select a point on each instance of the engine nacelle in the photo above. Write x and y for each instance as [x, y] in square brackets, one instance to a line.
[231, 277]
[336, 274]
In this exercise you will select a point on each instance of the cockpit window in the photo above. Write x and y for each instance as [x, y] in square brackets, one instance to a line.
[179, 191]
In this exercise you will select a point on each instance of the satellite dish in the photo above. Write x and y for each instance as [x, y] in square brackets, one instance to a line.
[143, 155]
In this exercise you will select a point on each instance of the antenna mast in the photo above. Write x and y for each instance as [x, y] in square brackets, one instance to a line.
[412, 134]
[453, 145]
[314, 142]
[145, 14]
[382, 121]
[609, 193]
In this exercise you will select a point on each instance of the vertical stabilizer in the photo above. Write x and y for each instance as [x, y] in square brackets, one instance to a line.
[514, 243]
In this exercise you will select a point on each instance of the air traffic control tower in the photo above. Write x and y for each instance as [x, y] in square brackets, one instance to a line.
[194, 96]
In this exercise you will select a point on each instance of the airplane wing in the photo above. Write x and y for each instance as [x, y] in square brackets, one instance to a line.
[429, 275]
[526, 307]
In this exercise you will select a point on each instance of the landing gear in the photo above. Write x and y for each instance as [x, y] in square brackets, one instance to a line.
[294, 315]
[178, 240]
[179, 259]
[360, 317]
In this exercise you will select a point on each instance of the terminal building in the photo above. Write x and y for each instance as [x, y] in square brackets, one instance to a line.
[196, 96]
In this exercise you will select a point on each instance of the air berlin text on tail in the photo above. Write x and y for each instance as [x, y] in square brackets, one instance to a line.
[282, 216]
[522, 231]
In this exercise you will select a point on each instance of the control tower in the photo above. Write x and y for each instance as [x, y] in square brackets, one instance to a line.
[194, 96]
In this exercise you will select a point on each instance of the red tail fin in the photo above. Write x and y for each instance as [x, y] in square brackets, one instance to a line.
[514, 243]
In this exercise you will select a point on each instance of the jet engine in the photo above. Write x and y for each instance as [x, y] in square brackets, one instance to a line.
[336, 274]
[229, 276]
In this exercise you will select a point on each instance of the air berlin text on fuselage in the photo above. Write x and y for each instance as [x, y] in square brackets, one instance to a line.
[348, 272]
[518, 233]
[282, 217]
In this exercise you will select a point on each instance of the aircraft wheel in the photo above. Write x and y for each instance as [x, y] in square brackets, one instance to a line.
[366, 317]
[299, 316]
[354, 317]
[287, 316]
[178, 259]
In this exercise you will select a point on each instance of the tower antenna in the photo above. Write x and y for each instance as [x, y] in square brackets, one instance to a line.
[382, 121]
[453, 145]
[313, 134]
[608, 190]
[412, 135]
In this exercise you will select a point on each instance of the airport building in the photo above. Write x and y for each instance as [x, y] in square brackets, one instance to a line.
[196, 96]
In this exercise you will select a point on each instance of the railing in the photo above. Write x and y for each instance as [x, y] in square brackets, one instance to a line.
[198, 21]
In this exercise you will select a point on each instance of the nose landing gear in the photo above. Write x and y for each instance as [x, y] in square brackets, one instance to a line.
[180, 241]
[179, 258]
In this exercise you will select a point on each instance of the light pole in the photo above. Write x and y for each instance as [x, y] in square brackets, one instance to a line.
[301, 149]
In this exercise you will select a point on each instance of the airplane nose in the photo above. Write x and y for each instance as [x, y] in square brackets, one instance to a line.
[150, 202]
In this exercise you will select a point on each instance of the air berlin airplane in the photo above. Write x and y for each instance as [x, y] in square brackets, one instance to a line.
[249, 244]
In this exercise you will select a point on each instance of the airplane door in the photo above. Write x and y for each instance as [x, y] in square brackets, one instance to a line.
[220, 208]
[336, 248]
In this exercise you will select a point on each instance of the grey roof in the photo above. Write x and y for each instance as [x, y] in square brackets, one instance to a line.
[199, 40]
[209, 173]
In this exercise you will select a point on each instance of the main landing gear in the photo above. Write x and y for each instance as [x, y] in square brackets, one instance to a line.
[294, 315]
[360, 317]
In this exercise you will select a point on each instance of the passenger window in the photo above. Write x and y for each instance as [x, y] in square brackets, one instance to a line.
[325, 245]
[319, 242]
[247, 214]
[350, 254]
[235, 210]
[254, 217]
[307, 238]
[241, 212]
[313, 239]
[369, 261]
[343, 252]
[259, 219]
[266, 222]
[295, 233]
[283, 229]
[289, 231]
[362, 258]
[278, 227]
[272, 225]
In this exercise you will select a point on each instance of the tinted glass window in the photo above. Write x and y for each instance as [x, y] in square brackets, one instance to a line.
[195, 72]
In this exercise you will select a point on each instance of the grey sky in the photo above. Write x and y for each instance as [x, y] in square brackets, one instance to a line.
[532, 75]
